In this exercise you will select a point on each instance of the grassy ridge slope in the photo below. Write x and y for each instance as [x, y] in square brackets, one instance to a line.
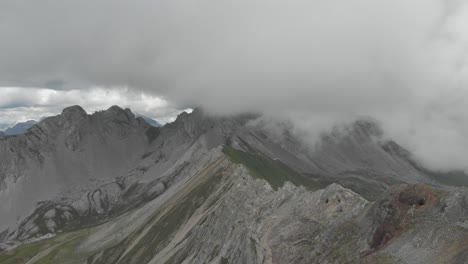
[274, 172]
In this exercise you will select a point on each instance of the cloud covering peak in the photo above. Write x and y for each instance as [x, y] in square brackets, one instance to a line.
[403, 62]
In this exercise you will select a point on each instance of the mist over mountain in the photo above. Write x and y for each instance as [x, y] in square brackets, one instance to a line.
[400, 62]
[110, 188]
[234, 131]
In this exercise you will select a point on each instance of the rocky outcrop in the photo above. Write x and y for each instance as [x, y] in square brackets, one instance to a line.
[394, 212]
[222, 214]
[205, 189]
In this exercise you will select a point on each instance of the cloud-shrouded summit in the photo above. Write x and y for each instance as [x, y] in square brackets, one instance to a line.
[403, 62]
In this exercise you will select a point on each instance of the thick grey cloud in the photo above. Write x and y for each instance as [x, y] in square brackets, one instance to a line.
[403, 62]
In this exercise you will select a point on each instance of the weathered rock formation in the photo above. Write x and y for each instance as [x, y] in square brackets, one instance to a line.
[110, 188]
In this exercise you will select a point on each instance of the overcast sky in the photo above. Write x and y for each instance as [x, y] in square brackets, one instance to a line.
[403, 62]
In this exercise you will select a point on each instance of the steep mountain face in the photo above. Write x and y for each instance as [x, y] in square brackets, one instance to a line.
[109, 188]
[20, 128]
[65, 153]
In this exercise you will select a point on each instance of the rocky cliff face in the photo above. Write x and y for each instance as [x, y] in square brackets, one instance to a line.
[64, 154]
[109, 188]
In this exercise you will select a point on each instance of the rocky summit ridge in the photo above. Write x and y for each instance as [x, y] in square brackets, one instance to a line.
[110, 188]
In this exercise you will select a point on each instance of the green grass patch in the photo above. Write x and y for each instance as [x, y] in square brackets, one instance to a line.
[67, 251]
[64, 252]
[24, 253]
[274, 172]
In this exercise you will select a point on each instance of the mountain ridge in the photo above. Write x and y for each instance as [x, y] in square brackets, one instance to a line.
[202, 163]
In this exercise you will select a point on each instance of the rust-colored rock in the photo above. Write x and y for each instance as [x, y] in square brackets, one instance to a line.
[391, 214]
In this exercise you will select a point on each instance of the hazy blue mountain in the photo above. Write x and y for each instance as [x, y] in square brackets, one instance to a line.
[149, 120]
[20, 128]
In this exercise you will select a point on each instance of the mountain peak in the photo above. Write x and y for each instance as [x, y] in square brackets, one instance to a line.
[74, 111]
[116, 108]
[368, 126]
[117, 113]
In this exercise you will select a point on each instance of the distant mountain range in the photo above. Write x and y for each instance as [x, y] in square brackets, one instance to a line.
[109, 188]
[22, 127]
[19, 128]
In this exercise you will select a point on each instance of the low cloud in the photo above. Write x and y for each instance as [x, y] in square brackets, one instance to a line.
[403, 62]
